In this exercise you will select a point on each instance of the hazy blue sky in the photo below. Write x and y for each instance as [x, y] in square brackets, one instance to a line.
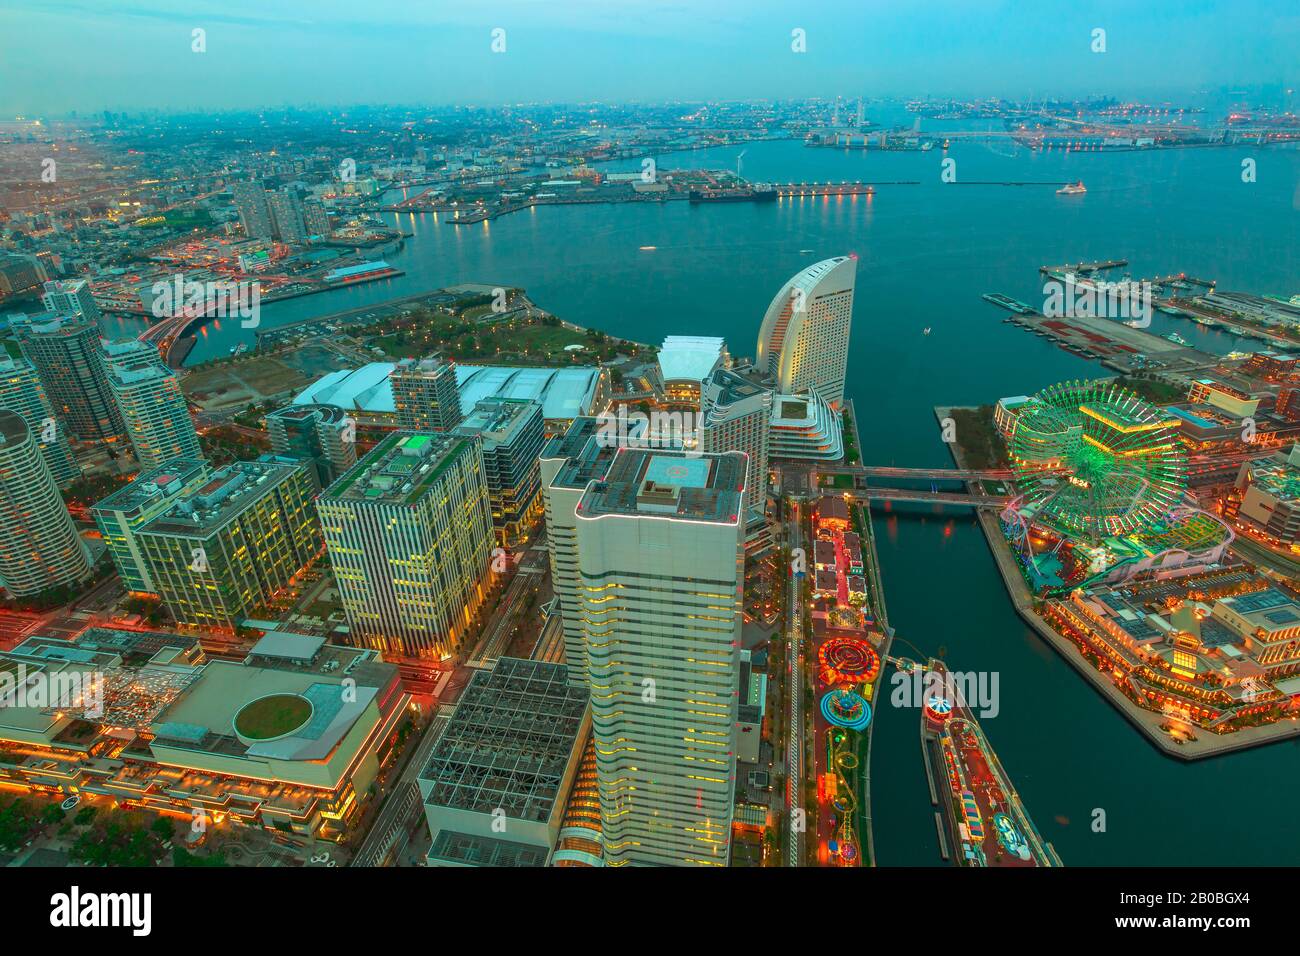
[57, 55]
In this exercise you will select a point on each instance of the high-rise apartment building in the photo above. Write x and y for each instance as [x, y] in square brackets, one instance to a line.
[71, 297]
[225, 548]
[287, 214]
[317, 218]
[21, 392]
[323, 434]
[119, 516]
[254, 211]
[512, 433]
[69, 358]
[39, 544]
[660, 564]
[425, 395]
[804, 339]
[409, 533]
[155, 413]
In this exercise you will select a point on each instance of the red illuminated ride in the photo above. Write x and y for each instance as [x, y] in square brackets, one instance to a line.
[847, 660]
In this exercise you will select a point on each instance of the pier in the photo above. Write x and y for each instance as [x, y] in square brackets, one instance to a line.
[1085, 268]
[830, 189]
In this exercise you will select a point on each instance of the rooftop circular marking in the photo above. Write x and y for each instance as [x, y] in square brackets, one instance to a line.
[272, 717]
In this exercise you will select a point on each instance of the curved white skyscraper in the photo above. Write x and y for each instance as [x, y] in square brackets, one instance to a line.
[39, 545]
[804, 341]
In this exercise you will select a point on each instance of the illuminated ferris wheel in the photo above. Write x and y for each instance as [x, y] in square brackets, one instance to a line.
[1094, 458]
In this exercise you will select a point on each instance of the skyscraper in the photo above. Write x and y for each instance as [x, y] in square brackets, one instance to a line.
[21, 392]
[317, 218]
[39, 545]
[425, 395]
[226, 547]
[154, 411]
[409, 533]
[70, 297]
[69, 358]
[254, 212]
[322, 434]
[119, 516]
[804, 339]
[511, 432]
[660, 561]
[570, 462]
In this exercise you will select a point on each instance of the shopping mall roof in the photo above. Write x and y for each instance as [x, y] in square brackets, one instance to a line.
[563, 393]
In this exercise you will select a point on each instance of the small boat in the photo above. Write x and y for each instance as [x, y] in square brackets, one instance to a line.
[648, 248]
[1072, 189]
[926, 330]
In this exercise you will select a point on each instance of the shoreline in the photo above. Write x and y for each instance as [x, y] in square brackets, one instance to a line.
[1146, 721]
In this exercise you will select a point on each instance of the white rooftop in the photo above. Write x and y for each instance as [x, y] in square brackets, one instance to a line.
[563, 393]
[691, 357]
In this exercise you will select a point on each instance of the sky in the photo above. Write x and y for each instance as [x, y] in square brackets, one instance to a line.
[91, 55]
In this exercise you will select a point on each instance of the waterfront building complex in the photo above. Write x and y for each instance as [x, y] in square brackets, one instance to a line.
[511, 433]
[155, 413]
[495, 787]
[119, 516]
[322, 434]
[227, 546]
[660, 561]
[409, 534]
[22, 393]
[804, 340]
[805, 427]
[67, 355]
[289, 739]
[425, 397]
[287, 214]
[1266, 499]
[39, 545]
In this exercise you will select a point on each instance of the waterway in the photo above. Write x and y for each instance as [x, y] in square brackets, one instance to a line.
[926, 253]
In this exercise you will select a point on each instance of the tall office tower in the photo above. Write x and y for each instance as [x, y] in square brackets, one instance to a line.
[21, 392]
[157, 418]
[71, 297]
[804, 340]
[322, 434]
[254, 212]
[660, 560]
[570, 462]
[223, 549]
[68, 357]
[425, 394]
[511, 432]
[19, 272]
[39, 545]
[736, 415]
[409, 534]
[317, 218]
[119, 516]
[287, 214]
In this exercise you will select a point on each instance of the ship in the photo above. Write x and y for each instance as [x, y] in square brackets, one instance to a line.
[1177, 339]
[1072, 189]
[760, 192]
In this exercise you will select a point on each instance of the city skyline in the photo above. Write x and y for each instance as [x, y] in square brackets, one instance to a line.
[653, 51]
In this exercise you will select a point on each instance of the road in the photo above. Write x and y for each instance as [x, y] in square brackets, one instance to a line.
[795, 817]
[403, 797]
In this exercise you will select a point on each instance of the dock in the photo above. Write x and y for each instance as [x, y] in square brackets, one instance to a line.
[1085, 268]
[829, 189]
